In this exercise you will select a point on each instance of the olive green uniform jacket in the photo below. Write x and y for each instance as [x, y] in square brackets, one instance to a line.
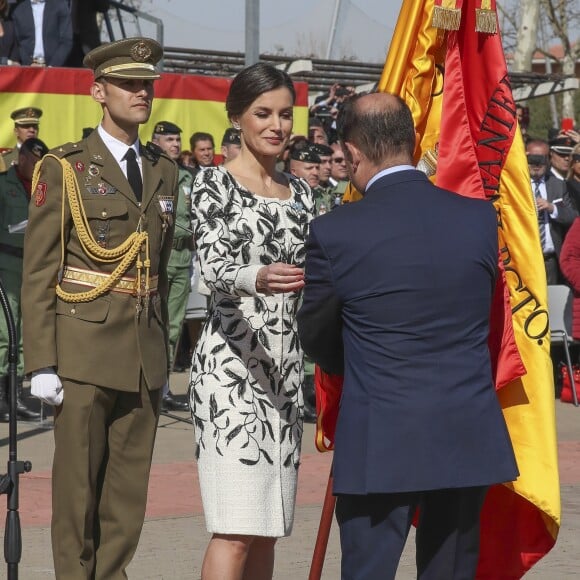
[103, 342]
[13, 210]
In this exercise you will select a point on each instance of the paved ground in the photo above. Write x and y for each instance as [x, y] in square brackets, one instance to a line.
[174, 536]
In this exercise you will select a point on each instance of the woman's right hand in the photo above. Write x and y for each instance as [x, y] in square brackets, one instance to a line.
[278, 278]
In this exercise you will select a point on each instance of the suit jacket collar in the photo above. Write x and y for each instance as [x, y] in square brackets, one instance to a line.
[393, 179]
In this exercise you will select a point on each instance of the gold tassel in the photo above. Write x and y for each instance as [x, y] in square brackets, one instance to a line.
[485, 21]
[446, 18]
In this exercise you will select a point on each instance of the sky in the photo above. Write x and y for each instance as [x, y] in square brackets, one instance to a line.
[287, 27]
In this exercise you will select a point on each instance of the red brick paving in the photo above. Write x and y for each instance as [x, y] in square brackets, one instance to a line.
[174, 488]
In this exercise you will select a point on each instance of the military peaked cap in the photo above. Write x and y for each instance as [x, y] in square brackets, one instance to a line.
[562, 145]
[130, 58]
[27, 116]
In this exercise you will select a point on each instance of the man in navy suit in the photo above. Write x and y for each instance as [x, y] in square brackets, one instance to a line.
[54, 19]
[397, 299]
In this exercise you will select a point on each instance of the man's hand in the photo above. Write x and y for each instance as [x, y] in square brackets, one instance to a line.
[544, 205]
[46, 386]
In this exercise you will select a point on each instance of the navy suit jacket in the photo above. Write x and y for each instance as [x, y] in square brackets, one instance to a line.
[397, 298]
[57, 33]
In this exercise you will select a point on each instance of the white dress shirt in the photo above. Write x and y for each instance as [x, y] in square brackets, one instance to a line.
[38, 15]
[118, 149]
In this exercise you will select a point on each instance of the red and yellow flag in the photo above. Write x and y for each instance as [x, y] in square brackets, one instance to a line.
[446, 61]
[194, 103]
[456, 84]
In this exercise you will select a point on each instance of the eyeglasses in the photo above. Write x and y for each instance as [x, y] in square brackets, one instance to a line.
[338, 160]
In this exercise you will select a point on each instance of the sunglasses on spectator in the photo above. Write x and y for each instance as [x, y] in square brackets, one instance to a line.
[338, 160]
[576, 157]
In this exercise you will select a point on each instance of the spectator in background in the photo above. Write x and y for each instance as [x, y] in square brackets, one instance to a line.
[231, 144]
[9, 54]
[305, 163]
[555, 210]
[186, 159]
[338, 170]
[316, 132]
[202, 150]
[560, 151]
[86, 32]
[570, 256]
[167, 136]
[325, 154]
[26, 122]
[52, 17]
[15, 187]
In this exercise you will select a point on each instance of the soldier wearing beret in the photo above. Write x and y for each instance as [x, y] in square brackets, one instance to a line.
[15, 187]
[26, 121]
[94, 308]
[167, 136]
[231, 144]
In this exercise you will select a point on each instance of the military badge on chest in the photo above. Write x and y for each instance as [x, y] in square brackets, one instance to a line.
[166, 204]
[94, 183]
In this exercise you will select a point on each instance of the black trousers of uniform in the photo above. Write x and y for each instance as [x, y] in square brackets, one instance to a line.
[103, 448]
[374, 528]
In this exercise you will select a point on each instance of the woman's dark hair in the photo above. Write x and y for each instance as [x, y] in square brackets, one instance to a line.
[252, 82]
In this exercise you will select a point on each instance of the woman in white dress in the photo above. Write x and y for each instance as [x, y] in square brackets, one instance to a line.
[250, 223]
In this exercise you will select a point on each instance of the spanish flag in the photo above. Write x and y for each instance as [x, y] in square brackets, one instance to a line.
[446, 61]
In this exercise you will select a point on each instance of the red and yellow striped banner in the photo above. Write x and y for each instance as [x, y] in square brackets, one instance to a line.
[194, 103]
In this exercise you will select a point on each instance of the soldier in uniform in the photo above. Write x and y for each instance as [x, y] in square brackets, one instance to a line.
[15, 187]
[168, 137]
[231, 144]
[26, 123]
[94, 312]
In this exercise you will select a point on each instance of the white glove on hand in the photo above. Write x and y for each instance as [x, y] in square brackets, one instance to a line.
[165, 389]
[46, 386]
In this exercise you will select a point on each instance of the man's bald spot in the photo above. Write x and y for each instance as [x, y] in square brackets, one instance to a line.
[378, 103]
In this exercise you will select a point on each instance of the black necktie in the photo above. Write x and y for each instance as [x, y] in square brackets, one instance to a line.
[134, 174]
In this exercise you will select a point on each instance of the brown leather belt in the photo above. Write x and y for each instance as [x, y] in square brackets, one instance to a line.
[92, 279]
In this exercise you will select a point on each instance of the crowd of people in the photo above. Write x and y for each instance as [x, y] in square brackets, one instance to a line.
[68, 29]
[112, 232]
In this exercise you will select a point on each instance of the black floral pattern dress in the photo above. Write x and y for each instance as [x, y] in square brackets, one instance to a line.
[247, 366]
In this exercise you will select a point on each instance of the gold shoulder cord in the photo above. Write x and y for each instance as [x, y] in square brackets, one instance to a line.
[127, 252]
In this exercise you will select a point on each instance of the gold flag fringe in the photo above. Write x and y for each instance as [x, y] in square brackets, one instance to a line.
[485, 21]
[446, 18]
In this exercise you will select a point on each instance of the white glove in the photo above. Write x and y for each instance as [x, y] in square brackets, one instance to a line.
[46, 386]
[165, 390]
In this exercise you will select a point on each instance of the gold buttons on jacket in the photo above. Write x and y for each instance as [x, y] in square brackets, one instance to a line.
[104, 214]
[73, 310]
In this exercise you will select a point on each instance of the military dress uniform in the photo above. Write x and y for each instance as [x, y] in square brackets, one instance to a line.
[13, 212]
[179, 267]
[23, 116]
[110, 349]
